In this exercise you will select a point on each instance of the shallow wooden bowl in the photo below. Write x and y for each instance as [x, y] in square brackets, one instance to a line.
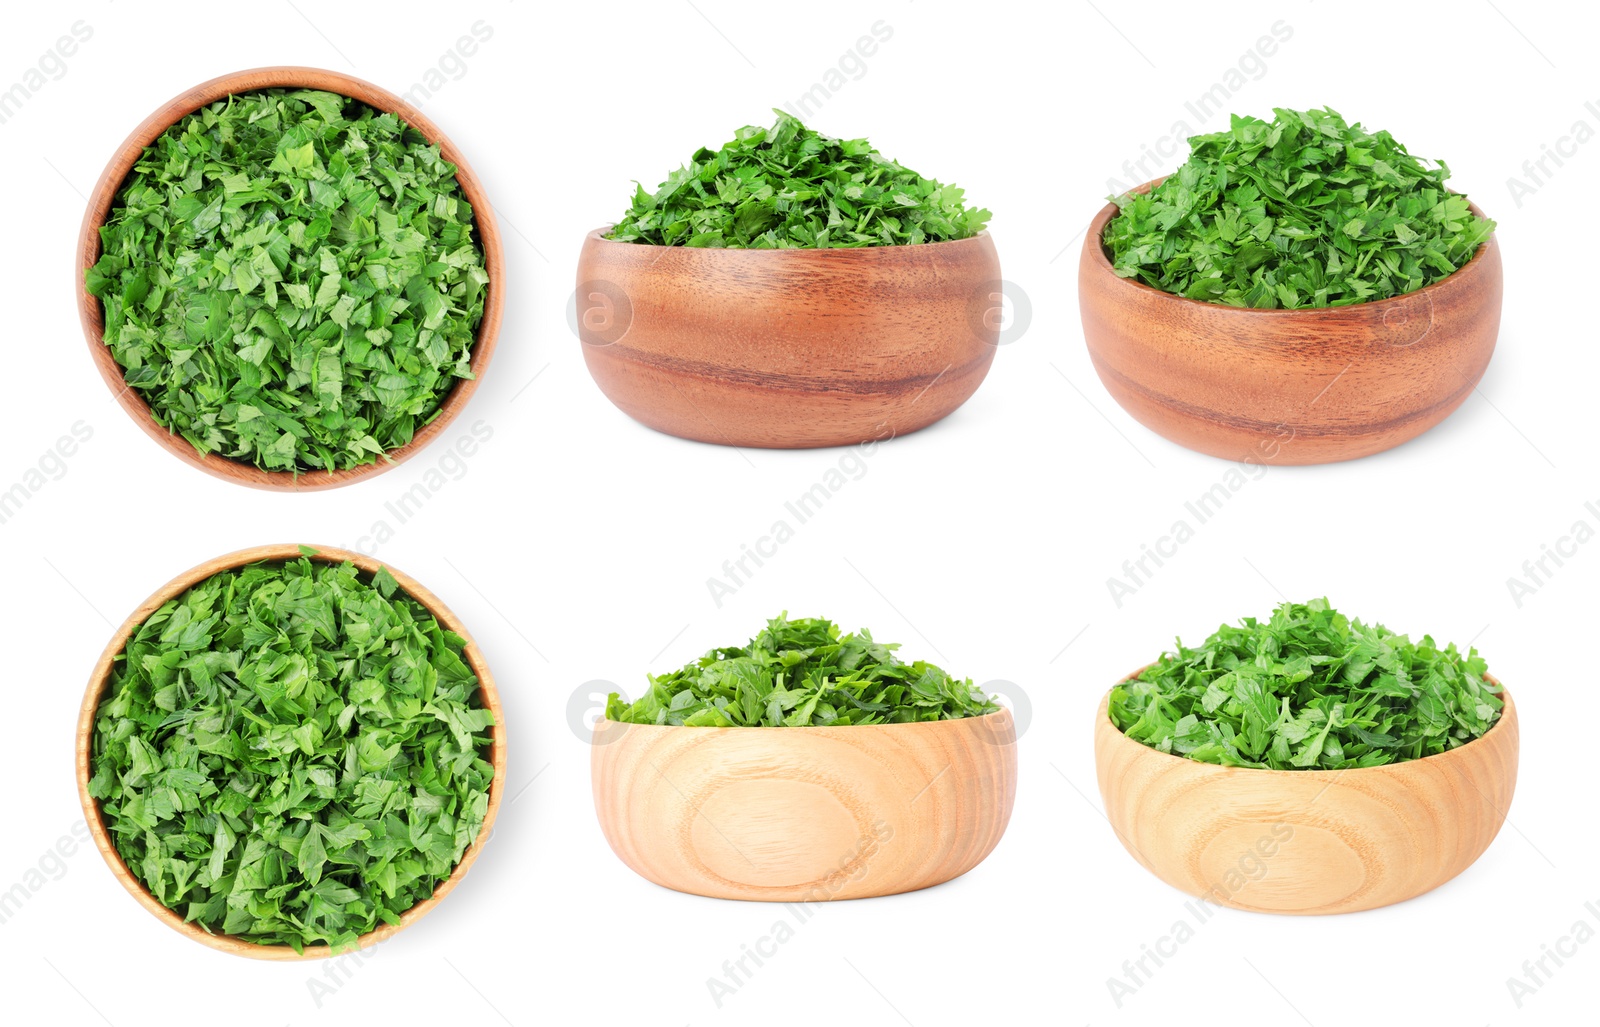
[1307, 841]
[805, 814]
[116, 173]
[100, 679]
[1288, 386]
[788, 349]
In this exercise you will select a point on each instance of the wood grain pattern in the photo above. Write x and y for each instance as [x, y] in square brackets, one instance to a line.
[116, 172]
[788, 349]
[100, 679]
[1288, 386]
[1307, 841]
[805, 814]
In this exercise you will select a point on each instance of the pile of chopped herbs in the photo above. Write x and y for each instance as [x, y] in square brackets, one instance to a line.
[802, 673]
[1301, 211]
[289, 279]
[789, 187]
[292, 753]
[1308, 689]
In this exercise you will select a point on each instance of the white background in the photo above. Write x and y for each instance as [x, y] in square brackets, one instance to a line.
[577, 544]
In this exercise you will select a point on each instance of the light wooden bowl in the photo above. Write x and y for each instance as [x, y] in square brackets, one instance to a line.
[1288, 386]
[116, 173]
[788, 349]
[805, 814]
[1307, 841]
[100, 679]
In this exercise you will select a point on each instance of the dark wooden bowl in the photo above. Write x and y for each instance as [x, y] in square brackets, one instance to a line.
[100, 678]
[1288, 386]
[116, 173]
[788, 349]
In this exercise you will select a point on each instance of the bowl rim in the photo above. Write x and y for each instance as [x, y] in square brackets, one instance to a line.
[99, 680]
[1003, 712]
[794, 252]
[115, 173]
[1103, 718]
[1094, 256]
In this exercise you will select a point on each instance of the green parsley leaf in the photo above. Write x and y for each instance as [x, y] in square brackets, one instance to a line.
[289, 755]
[1308, 689]
[789, 187]
[1302, 211]
[802, 673]
[289, 278]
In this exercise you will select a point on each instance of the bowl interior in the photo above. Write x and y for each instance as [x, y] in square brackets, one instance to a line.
[100, 677]
[110, 184]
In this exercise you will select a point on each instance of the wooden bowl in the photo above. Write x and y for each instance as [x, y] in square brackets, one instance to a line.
[1288, 386]
[805, 814]
[116, 173]
[100, 678]
[1307, 841]
[788, 349]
